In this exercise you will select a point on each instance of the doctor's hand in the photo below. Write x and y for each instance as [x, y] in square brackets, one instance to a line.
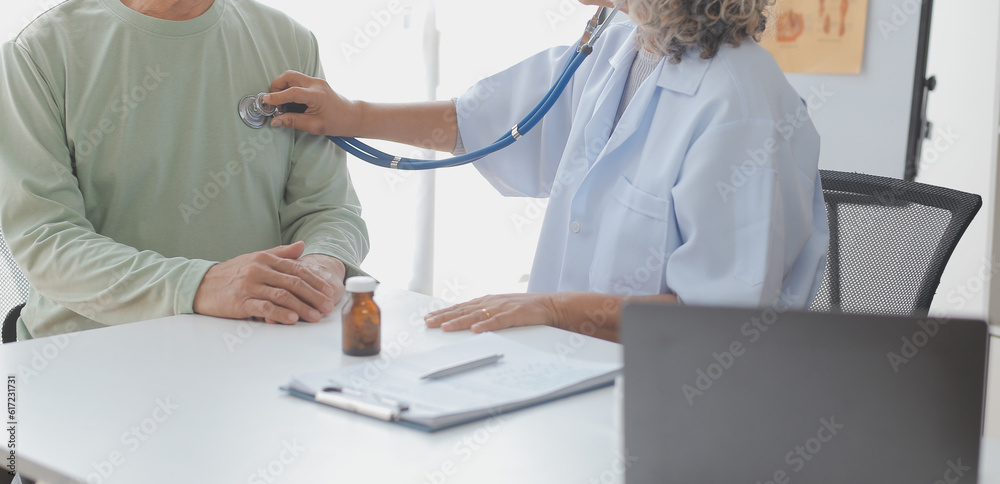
[587, 313]
[491, 313]
[431, 125]
[272, 285]
[327, 113]
[604, 3]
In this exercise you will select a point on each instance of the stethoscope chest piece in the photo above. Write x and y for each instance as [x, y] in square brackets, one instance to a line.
[254, 111]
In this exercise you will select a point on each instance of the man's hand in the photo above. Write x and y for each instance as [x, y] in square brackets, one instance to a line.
[272, 284]
[330, 269]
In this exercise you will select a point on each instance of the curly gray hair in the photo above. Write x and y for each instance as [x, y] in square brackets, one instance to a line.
[669, 27]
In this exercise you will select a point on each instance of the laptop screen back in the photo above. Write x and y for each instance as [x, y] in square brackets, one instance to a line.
[720, 395]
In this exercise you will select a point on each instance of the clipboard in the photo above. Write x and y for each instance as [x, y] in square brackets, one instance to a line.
[524, 377]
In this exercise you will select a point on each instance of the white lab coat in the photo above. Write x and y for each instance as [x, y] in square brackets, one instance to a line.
[708, 188]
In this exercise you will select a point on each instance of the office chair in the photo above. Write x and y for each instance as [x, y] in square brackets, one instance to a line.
[13, 291]
[890, 241]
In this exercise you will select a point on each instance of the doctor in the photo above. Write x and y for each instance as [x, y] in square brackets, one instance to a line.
[680, 166]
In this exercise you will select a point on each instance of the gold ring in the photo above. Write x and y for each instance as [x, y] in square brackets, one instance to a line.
[487, 313]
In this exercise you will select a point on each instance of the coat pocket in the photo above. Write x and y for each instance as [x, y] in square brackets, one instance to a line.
[629, 253]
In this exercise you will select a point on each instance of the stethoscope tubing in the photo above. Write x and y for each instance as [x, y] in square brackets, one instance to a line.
[367, 153]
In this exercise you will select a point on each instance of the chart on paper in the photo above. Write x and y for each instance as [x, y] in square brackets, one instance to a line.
[818, 36]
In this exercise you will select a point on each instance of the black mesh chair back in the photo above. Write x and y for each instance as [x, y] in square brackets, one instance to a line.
[13, 291]
[889, 242]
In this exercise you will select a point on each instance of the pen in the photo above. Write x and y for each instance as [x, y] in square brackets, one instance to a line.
[364, 394]
[353, 401]
[463, 366]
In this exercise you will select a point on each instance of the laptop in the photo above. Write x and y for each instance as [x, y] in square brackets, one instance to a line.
[722, 395]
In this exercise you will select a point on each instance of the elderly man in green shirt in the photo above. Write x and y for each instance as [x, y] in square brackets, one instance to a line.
[131, 189]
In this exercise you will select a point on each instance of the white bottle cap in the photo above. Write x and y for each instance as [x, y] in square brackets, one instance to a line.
[361, 284]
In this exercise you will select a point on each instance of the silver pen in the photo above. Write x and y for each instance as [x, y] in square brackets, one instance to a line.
[462, 366]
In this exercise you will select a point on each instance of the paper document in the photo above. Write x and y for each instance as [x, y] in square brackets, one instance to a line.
[523, 377]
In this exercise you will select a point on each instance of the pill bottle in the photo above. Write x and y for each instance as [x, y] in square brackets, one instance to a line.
[362, 319]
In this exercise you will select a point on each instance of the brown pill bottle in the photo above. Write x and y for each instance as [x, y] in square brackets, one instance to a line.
[362, 319]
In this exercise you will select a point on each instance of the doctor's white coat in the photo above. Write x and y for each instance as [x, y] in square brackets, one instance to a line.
[708, 187]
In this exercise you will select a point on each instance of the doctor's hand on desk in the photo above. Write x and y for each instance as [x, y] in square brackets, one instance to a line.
[587, 313]
[275, 285]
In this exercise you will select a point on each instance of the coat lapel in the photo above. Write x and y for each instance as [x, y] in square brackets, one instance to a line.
[684, 78]
[598, 129]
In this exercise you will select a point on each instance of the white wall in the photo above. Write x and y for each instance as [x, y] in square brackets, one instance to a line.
[963, 55]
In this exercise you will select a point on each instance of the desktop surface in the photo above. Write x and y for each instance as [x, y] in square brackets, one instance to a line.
[197, 399]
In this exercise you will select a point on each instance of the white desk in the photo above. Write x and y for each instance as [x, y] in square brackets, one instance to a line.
[232, 424]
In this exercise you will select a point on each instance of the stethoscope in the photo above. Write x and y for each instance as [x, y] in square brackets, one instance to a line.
[254, 111]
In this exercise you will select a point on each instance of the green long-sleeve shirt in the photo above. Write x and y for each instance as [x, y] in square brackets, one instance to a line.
[125, 172]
